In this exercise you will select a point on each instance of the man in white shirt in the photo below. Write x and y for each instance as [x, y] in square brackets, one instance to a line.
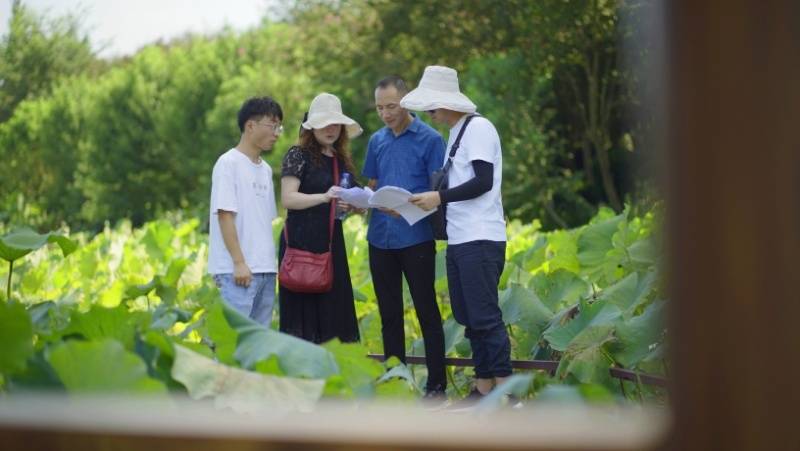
[476, 228]
[241, 255]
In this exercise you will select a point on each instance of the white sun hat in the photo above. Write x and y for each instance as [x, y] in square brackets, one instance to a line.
[438, 89]
[326, 109]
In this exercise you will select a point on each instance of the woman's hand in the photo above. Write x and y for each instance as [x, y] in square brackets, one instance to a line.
[332, 193]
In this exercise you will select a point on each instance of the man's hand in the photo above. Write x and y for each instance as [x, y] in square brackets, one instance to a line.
[426, 201]
[241, 274]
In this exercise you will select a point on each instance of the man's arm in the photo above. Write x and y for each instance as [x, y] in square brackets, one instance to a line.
[227, 226]
[472, 188]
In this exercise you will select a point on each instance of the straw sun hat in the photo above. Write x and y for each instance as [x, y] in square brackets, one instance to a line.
[438, 89]
[326, 109]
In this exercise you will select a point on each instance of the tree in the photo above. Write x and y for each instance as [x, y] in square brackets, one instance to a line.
[566, 82]
[577, 43]
[138, 138]
[36, 52]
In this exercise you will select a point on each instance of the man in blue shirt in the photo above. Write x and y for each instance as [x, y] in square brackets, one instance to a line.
[404, 153]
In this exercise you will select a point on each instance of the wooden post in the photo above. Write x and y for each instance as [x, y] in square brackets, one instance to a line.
[734, 223]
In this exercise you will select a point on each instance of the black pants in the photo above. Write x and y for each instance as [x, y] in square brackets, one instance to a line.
[473, 273]
[418, 264]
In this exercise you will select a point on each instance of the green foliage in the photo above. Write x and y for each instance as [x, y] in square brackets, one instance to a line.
[221, 335]
[21, 242]
[546, 72]
[131, 310]
[358, 373]
[16, 336]
[558, 286]
[591, 316]
[242, 391]
[103, 304]
[527, 315]
[137, 137]
[296, 357]
[639, 337]
[100, 323]
[101, 366]
[36, 52]
[140, 138]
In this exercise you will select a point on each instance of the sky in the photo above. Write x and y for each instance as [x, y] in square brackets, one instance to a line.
[120, 27]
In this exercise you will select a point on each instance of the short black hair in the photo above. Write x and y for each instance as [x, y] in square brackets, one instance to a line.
[258, 107]
[396, 81]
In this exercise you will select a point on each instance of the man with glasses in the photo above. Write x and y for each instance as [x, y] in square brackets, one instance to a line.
[404, 153]
[241, 254]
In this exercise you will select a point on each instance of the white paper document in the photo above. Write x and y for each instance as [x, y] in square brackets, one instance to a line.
[391, 197]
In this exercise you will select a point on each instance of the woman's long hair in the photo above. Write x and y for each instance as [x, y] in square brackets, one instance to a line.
[308, 143]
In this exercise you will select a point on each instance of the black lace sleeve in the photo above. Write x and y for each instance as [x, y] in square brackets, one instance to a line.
[294, 163]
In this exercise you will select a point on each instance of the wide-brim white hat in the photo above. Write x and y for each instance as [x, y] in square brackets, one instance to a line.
[326, 109]
[438, 89]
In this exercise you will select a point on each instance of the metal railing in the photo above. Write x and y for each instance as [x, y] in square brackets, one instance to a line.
[546, 365]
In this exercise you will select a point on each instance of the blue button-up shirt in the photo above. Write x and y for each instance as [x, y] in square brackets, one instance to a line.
[406, 161]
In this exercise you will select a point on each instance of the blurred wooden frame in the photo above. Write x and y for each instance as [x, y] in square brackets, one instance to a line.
[732, 182]
[733, 192]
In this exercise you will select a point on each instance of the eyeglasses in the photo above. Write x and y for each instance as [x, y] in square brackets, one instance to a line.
[389, 107]
[277, 128]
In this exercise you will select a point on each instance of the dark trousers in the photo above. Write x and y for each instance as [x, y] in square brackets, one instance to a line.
[473, 273]
[418, 264]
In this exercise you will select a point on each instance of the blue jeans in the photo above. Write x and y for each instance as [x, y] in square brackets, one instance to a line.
[473, 273]
[255, 301]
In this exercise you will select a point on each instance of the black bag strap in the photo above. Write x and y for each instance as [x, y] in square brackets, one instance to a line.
[457, 143]
[332, 204]
[334, 201]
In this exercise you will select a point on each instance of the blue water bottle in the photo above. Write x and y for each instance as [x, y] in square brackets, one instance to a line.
[345, 181]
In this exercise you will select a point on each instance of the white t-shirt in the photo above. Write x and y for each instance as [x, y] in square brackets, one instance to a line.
[480, 218]
[243, 187]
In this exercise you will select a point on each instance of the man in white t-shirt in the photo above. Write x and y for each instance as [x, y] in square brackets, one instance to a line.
[241, 254]
[476, 228]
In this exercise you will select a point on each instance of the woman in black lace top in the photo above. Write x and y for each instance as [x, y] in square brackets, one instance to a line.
[307, 188]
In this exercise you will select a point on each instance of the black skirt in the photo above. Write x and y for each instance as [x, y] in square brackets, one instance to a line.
[324, 316]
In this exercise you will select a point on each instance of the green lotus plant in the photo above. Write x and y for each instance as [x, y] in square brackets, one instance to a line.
[21, 242]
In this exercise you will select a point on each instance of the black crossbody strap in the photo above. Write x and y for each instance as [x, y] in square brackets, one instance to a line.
[457, 143]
